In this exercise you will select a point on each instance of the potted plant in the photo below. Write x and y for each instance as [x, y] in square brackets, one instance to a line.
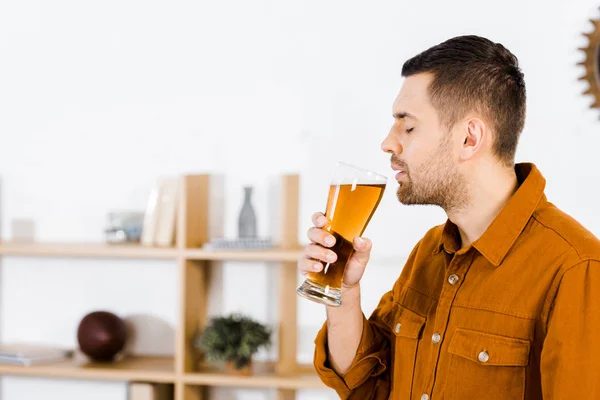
[233, 338]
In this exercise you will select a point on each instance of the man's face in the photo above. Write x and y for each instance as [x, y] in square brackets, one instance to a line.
[422, 150]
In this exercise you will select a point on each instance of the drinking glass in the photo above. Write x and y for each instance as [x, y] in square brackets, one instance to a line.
[354, 194]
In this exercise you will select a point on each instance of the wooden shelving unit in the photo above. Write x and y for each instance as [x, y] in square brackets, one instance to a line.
[194, 267]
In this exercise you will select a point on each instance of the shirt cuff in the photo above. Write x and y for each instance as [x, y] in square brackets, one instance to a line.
[367, 363]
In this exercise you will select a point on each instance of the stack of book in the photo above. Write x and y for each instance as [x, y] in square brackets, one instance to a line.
[27, 354]
[239, 244]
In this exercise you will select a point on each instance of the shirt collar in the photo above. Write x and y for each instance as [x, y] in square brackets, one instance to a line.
[504, 230]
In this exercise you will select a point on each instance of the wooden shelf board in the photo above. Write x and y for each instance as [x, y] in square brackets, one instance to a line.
[91, 250]
[244, 255]
[161, 370]
[86, 250]
[266, 380]
[150, 369]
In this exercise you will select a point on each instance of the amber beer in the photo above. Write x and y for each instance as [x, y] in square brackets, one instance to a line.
[353, 198]
[350, 212]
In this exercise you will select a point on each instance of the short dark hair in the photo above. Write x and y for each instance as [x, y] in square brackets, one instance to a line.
[474, 73]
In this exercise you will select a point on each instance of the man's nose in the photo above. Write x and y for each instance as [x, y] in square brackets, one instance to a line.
[391, 144]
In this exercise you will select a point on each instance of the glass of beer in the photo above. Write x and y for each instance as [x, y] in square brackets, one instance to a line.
[354, 194]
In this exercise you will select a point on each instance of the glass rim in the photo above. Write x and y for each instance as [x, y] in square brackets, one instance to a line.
[362, 169]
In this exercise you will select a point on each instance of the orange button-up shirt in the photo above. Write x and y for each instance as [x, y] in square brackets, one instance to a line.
[515, 315]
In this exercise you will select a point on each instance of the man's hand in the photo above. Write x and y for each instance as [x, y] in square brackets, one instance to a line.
[319, 251]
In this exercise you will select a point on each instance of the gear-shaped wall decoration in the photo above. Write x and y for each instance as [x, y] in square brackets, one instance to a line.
[592, 63]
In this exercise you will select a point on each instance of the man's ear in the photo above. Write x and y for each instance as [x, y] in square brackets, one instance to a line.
[475, 133]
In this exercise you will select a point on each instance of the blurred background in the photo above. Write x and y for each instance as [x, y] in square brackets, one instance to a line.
[98, 100]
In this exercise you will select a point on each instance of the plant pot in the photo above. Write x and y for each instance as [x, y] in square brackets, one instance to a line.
[231, 369]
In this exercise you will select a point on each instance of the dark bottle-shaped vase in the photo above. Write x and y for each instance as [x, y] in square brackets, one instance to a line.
[247, 217]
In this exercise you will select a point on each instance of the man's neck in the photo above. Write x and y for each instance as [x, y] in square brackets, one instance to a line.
[490, 190]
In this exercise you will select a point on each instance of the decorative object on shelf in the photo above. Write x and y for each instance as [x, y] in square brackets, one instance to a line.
[592, 63]
[27, 354]
[101, 335]
[239, 244]
[123, 226]
[233, 338]
[22, 230]
[247, 216]
[247, 231]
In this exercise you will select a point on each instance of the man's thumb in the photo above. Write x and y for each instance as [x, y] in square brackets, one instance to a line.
[362, 249]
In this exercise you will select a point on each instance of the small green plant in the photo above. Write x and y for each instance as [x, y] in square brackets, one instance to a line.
[233, 338]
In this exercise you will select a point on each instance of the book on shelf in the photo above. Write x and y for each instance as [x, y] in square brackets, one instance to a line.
[164, 234]
[159, 222]
[150, 218]
[28, 354]
[149, 391]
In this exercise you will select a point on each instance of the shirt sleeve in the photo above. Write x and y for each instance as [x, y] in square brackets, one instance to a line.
[366, 378]
[369, 374]
[570, 359]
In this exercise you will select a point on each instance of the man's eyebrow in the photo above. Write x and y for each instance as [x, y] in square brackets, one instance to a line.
[403, 115]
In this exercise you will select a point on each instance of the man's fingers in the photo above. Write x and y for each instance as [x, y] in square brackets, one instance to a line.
[317, 252]
[319, 220]
[307, 265]
[321, 236]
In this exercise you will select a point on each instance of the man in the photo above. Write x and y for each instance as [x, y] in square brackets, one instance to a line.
[500, 302]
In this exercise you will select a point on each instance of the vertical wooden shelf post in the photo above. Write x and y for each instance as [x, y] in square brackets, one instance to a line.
[286, 394]
[192, 231]
[288, 276]
[193, 212]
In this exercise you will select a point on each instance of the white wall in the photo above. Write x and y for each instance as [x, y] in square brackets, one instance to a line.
[98, 99]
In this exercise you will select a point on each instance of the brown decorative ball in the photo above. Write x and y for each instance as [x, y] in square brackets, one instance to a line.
[101, 335]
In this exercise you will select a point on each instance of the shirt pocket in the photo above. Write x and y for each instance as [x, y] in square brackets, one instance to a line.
[486, 366]
[406, 327]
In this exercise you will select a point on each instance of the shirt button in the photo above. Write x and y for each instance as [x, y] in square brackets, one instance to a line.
[425, 397]
[483, 357]
[436, 338]
[453, 279]
[397, 328]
